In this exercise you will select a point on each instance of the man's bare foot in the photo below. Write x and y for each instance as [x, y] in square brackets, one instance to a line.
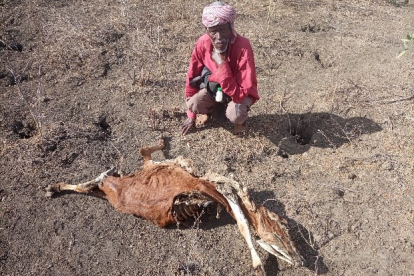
[201, 120]
[239, 129]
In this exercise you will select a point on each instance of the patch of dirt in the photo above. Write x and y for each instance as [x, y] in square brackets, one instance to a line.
[85, 84]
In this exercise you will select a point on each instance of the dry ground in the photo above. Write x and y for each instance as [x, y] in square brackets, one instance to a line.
[84, 84]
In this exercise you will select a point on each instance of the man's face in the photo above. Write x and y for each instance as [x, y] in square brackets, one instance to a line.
[220, 36]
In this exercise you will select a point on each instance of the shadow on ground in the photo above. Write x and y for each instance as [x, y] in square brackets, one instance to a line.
[297, 133]
[301, 236]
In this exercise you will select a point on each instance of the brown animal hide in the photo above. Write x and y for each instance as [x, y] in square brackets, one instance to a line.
[168, 193]
[152, 193]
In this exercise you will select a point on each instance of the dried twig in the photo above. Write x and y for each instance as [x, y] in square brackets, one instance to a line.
[38, 94]
[71, 242]
[398, 100]
[283, 110]
[121, 157]
[309, 241]
[344, 131]
[133, 76]
[23, 98]
[336, 187]
[326, 137]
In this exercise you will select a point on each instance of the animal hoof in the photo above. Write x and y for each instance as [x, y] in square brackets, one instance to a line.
[51, 190]
[259, 271]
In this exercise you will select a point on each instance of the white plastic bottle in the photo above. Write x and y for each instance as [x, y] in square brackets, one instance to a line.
[219, 95]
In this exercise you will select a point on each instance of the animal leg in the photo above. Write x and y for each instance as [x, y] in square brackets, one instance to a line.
[85, 187]
[180, 161]
[270, 227]
[243, 225]
[147, 151]
[185, 164]
[228, 188]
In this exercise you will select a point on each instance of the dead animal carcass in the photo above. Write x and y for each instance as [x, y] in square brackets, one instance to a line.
[168, 193]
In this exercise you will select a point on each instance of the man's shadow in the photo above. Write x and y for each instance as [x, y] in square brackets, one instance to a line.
[296, 133]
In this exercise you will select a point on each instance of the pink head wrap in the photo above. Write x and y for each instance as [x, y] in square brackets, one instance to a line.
[219, 13]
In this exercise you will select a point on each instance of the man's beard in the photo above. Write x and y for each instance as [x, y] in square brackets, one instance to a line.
[220, 51]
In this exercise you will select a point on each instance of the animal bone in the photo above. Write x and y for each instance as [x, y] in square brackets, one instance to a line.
[270, 227]
[167, 193]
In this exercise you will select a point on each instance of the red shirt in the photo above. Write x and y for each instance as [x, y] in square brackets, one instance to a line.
[236, 76]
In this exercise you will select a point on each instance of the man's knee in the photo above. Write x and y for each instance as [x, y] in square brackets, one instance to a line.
[238, 112]
[201, 102]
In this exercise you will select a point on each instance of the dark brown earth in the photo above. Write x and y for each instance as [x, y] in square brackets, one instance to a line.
[85, 84]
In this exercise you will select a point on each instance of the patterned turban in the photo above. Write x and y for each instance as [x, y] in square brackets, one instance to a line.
[219, 13]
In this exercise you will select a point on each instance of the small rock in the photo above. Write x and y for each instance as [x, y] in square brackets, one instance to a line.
[387, 166]
[339, 192]
[355, 226]
[317, 237]
[352, 176]
[46, 99]
[282, 153]
[227, 158]
[38, 161]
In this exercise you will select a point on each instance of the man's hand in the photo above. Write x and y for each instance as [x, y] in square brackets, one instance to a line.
[218, 58]
[187, 125]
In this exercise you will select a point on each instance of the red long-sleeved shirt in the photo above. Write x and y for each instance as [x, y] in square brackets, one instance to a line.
[236, 75]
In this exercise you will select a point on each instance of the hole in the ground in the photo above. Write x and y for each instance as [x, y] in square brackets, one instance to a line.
[282, 153]
[25, 130]
[302, 135]
[15, 46]
[49, 145]
[103, 124]
[70, 158]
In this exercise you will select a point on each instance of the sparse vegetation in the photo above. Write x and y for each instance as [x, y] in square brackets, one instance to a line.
[408, 44]
[330, 140]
